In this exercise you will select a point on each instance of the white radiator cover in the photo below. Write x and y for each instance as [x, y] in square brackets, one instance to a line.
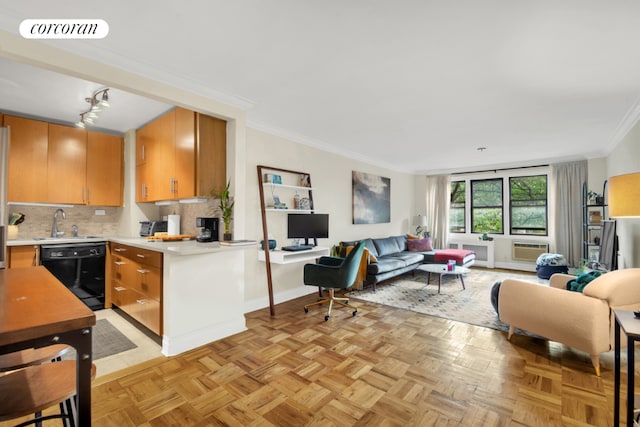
[528, 251]
[484, 250]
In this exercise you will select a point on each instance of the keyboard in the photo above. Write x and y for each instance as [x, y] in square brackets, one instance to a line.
[296, 248]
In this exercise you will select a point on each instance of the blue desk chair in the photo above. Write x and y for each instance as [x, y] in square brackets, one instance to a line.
[334, 273]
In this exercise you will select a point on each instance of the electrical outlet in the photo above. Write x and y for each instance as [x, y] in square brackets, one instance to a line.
[100, 212]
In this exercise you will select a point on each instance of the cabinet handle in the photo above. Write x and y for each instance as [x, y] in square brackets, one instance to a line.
[119, 249]
[172, 186]
[36, 256]
[140, 255]
[119, 262]
[141, 301]
[119, 288]
[144, 191]
[143, 271]
[142, 151]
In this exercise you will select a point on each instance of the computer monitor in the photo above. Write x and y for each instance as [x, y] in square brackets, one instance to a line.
[308, 226]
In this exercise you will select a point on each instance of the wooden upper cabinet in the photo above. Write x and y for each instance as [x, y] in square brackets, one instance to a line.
[184, 175]
[67, 165]
[181, 154]
[211, 154]
[51, 163]
[27, 175]
[104, 169]
[155, 159]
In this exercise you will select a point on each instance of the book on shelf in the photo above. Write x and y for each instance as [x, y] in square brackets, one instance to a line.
[238, 242]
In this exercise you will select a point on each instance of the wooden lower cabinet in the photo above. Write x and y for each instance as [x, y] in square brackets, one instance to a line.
[136, 284]
[23, 256]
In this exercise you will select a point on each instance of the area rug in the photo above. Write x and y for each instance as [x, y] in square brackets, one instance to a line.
[471, 305]
[107, 340]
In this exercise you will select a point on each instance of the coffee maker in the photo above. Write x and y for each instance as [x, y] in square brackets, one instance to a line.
[210, 231]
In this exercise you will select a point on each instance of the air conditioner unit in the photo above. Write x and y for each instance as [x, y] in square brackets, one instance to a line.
[524, 251]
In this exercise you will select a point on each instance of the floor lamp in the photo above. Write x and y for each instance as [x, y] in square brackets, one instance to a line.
[624, 196]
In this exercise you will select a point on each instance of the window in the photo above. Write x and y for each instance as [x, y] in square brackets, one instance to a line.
[457, 209]
[486, 206]
[528, 205]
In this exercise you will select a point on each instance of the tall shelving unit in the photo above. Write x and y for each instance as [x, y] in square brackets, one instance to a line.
[591, 229]
[267, 255]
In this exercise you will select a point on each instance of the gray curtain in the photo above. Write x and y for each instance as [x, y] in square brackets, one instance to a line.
[566, 191]
[438, 195]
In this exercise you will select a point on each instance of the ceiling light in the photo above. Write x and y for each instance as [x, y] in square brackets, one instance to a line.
[104, 102]
[95, 107]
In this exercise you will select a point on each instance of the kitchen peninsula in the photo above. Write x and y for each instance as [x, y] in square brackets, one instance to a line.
[202, 288]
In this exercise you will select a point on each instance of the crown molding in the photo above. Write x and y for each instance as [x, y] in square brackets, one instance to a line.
[323, 146]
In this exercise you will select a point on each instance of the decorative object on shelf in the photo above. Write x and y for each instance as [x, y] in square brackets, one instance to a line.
[226, 208]
[305, 204]
[371, 198]
[271, 178]
[595, 217]
[296, 201]
[272, 244]
[421, 223]
[595, 198]
[277, 204]
[305, 181]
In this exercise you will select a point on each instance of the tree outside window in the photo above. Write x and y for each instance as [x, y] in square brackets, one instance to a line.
[486, 206]
[457, 208]
[528, 205]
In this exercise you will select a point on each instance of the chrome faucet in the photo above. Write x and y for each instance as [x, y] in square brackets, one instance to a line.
[54, 228]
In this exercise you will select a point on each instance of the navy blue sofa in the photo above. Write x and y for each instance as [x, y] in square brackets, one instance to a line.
[394, 258]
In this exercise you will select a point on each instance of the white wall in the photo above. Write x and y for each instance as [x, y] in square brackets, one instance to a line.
[331, 182]
[625, 158]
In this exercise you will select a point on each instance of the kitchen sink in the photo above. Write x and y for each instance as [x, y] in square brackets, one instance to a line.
[68, 237]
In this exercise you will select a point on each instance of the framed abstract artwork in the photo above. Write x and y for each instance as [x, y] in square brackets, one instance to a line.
[371, 198]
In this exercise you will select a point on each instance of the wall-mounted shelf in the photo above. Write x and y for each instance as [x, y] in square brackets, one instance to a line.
[283, 257]
[290, 187]
[592, 231]
[289, 257]
[289, 210]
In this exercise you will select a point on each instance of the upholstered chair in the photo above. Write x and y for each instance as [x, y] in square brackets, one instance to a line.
[334, 273]
[582, 320]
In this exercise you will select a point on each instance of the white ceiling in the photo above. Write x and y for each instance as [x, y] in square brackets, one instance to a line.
[416, 86]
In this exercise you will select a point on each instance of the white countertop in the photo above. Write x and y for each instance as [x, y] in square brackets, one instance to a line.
[184, 247]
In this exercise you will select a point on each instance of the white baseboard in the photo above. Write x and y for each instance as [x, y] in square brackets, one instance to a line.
[524, 266]
[289, 294]
[172, 346]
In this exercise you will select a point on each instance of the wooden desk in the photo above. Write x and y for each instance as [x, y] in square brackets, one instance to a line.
[37, 310]
[626, 321]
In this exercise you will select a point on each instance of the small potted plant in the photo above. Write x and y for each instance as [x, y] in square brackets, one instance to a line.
[595, 198]
[225, 207]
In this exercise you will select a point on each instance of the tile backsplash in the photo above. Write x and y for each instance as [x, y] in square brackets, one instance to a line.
[188, 213]
[38, 220]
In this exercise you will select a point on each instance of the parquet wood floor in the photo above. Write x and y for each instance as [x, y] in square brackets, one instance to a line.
[385, 367]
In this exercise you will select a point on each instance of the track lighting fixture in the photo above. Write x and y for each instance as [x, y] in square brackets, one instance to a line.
[95, 106]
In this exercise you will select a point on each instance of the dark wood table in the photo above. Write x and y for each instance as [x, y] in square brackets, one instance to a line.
[37, 310]
[626, 321]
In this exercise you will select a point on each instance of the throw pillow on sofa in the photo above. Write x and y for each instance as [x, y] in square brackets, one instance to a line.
[419, 245]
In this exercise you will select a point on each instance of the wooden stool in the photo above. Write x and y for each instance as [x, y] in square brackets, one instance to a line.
[34, 388]
[37, 356]
[32, 356]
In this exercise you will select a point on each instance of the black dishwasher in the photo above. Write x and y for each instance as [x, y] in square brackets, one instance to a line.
[80, 267]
